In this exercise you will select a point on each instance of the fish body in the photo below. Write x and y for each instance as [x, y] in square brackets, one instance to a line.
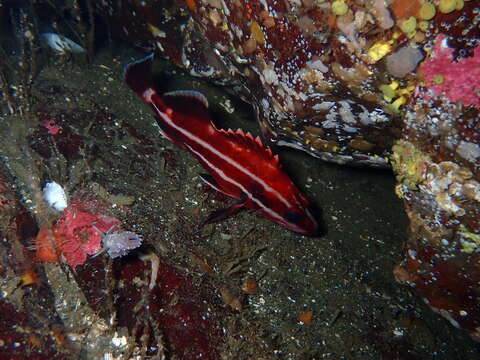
[61, 44]
[238, 164]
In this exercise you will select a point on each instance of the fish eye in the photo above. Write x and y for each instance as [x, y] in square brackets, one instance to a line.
[292, 216]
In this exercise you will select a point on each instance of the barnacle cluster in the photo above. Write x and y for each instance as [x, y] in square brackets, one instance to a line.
[447, 182]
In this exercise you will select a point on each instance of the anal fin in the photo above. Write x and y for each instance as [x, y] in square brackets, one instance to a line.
[209, 180]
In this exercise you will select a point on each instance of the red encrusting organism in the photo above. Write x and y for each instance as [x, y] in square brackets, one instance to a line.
[76, 234]
[52, 128]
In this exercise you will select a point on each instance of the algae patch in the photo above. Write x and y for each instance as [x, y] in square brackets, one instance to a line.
[409, 164]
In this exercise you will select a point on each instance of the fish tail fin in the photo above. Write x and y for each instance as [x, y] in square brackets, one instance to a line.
[138, 75]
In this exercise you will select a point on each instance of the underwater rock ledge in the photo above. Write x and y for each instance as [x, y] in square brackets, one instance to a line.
[345, 81]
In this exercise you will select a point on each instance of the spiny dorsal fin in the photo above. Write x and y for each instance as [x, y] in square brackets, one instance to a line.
[254, 143]
[187, 103]
[190, 94]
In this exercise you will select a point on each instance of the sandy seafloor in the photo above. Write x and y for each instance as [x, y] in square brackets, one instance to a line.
[343, 276]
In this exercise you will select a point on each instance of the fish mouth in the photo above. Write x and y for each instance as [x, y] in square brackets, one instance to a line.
[310, 232]
[311, 227]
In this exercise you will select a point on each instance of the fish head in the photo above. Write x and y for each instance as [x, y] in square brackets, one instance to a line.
[298, 215]
[300, 220]
[294, 214]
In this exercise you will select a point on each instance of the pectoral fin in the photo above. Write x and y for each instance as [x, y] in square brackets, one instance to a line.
[222, 214]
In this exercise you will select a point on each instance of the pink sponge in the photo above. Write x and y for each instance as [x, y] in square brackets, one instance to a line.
[458, 81]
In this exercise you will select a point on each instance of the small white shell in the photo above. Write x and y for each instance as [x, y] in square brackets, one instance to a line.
[55, 196]
[61, 44]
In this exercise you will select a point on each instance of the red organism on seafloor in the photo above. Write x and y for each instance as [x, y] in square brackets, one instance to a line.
[76, 234]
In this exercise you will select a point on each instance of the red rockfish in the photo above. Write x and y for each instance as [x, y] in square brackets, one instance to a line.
[240, 166]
